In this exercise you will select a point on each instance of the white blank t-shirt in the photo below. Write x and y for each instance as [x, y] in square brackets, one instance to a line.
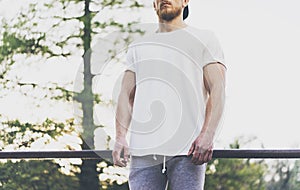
[170, 98]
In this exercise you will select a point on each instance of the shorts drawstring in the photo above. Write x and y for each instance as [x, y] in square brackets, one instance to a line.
[164, 166]
[164, 169]
[154, 157]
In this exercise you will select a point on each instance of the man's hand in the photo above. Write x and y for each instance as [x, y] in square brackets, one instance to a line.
[214, 81]
[201, 149]
[120, 145]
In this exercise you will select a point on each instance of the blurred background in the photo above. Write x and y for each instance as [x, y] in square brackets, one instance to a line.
[61, 63]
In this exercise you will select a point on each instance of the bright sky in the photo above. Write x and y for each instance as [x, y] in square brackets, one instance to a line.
[261, 45]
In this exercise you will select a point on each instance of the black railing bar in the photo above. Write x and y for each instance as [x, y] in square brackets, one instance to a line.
[85, 154]
[106, 154]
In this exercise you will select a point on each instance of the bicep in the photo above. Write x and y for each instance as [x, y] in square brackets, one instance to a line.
[214, 76]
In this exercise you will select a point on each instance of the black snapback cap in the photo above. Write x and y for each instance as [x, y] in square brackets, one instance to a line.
[185, 12]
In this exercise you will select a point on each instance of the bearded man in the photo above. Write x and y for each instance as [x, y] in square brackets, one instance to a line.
[171, 100]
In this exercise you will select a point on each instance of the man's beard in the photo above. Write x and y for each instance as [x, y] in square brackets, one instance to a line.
[169, 15]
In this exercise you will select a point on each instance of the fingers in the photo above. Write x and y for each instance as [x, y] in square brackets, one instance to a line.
[210, 155]
[197, 158]
[117, 159]
[201, 158]
[191, 149]
[119, 163]
[207, 156]
[116, 154]
[126, 155]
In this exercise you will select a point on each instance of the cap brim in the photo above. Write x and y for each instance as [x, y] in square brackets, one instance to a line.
[185, 12]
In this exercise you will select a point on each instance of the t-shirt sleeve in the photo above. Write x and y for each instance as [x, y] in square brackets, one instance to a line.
[129, 62]
[213, 51]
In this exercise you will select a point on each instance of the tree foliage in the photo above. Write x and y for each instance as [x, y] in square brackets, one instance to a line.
[232, 174]
[57, 29]
[22, 135]
[284, 174]
[35, 175]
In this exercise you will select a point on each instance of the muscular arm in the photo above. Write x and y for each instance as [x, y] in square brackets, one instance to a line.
[214, 80]
[123, 117]
[125, 104]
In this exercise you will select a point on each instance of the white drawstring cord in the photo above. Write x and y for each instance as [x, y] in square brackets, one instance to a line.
[154, 157]
[164, 166]
[164, 163]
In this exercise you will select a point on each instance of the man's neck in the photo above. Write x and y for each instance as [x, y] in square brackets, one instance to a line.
[168, 26]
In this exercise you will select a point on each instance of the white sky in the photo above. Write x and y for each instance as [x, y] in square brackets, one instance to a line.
[261, 41]
[261, 44]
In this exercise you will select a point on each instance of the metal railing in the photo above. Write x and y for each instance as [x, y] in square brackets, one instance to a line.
[106, 154]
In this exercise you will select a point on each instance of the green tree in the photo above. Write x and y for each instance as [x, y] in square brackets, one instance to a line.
[232, 174]
[24, 36]
[34, 174]
[284, 174]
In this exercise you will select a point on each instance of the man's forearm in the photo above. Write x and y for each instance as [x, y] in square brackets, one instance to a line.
[214, 110]
[123, 115]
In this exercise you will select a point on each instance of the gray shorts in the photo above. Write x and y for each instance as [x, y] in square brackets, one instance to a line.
[146, 173]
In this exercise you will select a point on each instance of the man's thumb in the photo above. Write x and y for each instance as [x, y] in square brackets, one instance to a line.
[191, 149]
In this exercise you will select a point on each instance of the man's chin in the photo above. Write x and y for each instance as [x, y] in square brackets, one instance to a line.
[164, 12]
[168, 15]
[165, 15]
